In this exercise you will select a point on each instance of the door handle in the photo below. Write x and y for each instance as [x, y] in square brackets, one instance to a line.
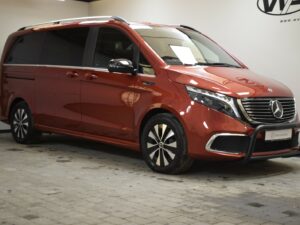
[90, 76]
[148, 83]
[72, 74]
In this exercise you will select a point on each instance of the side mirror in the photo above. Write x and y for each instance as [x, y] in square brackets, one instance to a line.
[121, 66]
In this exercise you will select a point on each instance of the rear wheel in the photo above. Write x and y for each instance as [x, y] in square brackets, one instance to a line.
[164, 145]
[21, 123]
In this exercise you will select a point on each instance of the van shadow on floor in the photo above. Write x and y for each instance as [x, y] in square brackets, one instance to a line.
[219, 170]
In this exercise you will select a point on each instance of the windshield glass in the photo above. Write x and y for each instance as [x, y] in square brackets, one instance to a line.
[182, 46]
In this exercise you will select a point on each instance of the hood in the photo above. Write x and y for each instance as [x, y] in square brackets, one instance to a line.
[235, 82]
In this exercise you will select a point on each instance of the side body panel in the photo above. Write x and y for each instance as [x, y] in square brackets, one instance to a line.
[4, 99]
[18, 83]
[107, 104]
[58, 98]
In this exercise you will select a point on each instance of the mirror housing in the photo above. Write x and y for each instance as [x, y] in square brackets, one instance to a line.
[121, 66]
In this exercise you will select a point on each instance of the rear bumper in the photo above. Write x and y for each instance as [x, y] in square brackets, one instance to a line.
[253, 146]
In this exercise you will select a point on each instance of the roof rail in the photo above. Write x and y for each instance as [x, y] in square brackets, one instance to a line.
[190, 28]
[79, 19]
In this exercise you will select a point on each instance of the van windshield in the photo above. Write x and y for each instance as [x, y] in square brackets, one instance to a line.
[182, 46]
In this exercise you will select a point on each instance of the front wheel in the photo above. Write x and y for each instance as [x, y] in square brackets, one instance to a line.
[164, 145]
[21, 123]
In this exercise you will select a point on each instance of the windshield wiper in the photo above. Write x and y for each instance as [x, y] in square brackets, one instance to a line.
[217, 64]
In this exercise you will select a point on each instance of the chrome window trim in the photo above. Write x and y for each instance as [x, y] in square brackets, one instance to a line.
[213, 138]
[59, 66]
[245, 114]
[72, 67]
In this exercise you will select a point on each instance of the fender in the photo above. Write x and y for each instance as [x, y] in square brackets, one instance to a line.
[158, 107]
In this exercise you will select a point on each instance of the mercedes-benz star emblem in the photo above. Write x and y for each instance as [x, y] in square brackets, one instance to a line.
[277, 109]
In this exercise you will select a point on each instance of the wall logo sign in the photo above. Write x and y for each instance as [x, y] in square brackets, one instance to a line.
[279, 7]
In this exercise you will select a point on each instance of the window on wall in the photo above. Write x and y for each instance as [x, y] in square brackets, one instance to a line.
[112, 44]
[64, 47]
[26, 49]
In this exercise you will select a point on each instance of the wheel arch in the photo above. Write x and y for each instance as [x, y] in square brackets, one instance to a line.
[13, 103]
[157, 110]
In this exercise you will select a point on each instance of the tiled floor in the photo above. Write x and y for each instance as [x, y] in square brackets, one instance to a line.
[69, 181]
[3, 126]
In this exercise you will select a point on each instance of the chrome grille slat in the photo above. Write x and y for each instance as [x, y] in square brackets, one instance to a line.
[266, 110]
[269, 114]
[267, 118]
[258, 110]
[288, 107]
[259, 102]
[260, 113]
[288, 114]
[256, 106]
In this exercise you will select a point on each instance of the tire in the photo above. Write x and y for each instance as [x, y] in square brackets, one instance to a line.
[164, 145]
[21, 123]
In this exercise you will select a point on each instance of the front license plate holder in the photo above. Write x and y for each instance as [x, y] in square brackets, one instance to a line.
[278, 135]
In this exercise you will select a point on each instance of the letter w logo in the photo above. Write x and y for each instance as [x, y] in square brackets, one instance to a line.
[284, 7]
[269, 6]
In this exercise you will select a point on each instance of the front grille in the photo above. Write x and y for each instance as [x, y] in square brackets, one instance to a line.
[259, 110]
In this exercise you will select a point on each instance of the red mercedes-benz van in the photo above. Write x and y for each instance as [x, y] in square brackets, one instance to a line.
[168, 91]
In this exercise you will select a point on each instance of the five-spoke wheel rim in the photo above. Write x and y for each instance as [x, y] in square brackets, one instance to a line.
[20, 123]
[162, 145]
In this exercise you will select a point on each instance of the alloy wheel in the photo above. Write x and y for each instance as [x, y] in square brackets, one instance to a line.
[20, 123]
[162, 145]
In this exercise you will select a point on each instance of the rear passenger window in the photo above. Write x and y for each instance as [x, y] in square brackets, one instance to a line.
[112, 44]
[26, 49]
[64, 47]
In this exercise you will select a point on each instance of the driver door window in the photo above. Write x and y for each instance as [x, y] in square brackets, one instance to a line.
[112, 44]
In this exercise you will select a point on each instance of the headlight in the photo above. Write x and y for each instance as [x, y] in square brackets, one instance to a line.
[217, 101]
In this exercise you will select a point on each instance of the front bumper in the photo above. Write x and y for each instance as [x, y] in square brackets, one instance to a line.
[253, 146]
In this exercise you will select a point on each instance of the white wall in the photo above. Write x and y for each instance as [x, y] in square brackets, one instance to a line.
[15, 14]
[267, 46]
